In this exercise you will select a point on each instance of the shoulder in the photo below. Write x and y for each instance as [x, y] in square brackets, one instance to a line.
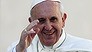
[78, 39]
[78, 42]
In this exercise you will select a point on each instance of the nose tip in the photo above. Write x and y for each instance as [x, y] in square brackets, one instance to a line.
[48, 27]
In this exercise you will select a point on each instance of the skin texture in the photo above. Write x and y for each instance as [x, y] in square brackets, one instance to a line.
[51, 22]
[49, 27]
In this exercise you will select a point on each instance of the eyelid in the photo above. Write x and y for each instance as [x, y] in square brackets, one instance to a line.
[55, 18]
[42, 20]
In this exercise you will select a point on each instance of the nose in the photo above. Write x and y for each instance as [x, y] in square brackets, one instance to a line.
[48, 26]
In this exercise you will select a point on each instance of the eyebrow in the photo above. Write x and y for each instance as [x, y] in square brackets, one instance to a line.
[53, 17]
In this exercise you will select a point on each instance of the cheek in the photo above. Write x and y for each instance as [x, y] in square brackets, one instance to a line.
[41, 27]
[58, 25]
[40, 32]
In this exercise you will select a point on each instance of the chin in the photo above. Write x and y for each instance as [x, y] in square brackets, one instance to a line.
[49, 42]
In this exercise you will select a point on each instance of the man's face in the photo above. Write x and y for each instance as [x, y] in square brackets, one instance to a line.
[50, 22]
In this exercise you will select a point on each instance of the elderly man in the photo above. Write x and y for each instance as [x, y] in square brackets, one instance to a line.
[45, 32]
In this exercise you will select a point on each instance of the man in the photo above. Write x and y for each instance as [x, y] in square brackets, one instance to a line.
[45, 32]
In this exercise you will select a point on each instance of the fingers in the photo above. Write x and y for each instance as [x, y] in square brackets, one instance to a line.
[36, 29]
[32, 24]
[28, 34]
[29, 29]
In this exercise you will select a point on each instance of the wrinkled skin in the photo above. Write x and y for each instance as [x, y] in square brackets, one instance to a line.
[49, 27]
[51, 22]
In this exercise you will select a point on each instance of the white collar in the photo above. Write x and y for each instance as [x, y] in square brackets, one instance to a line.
[56, 45]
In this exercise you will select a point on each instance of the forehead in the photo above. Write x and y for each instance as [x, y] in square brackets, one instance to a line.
[46, 9]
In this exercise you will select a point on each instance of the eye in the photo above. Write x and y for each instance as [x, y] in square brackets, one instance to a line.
[41, 20]
[53, 19]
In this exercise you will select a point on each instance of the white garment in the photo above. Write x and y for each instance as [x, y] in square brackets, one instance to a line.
[66, 43]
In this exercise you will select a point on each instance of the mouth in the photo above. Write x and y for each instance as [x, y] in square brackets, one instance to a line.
[49, 34]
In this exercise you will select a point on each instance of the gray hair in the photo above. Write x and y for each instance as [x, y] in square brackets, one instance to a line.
[62, 9]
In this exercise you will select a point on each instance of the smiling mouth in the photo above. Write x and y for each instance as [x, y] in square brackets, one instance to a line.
[48, 35]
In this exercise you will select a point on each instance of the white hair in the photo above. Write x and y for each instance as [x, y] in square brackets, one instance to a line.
[62, 9]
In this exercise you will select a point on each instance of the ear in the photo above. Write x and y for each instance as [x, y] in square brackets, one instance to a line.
[29, 19]
[64, 19]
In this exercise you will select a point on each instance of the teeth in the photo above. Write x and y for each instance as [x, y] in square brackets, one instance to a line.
[48, 33]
